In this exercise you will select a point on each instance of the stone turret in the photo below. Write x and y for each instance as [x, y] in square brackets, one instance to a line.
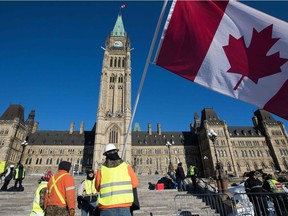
[72, 124]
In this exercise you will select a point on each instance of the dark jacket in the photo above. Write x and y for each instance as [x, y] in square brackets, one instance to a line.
[180, 173]
[9, 174]
[253, 185]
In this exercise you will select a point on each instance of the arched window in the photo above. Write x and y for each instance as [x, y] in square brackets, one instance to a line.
[247, 167]
[119, 62]
[166, 160]
[115, 62]
[238, 167]
[37, 161]
[263, 165]
[120, 79]
[255, 166]
[229, 168]
[111, 62]
[113, 135]
[123, 62]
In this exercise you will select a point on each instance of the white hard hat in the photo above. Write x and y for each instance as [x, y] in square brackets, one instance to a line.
[11, 165]
[109, 147]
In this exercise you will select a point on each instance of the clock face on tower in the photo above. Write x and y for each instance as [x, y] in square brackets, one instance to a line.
[117, 44]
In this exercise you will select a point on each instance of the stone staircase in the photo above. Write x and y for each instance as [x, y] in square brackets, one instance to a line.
[152, 202]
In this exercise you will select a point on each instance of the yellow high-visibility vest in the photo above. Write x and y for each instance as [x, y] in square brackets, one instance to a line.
[2, 166]
[90, 187]
[273, 185]
[115, 186]
[192, 170]
[17, 174]
[36, 209]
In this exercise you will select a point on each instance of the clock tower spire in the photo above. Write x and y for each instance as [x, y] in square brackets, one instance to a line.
[114, 105]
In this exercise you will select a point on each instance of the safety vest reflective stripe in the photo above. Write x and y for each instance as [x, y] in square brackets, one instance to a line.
[56, 188]
[115, 186]
[37, 210]
[116, 193]
[70, 188]
[256, 186]
[90, 187]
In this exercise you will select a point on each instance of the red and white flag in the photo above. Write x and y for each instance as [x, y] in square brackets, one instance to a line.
[230, 48]
[122, 6]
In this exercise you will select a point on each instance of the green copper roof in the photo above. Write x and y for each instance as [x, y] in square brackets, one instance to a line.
[119, 30]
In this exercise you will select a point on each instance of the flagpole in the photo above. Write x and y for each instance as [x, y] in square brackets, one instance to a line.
[144, 73]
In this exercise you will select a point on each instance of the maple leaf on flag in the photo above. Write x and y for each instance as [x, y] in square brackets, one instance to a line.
[253, 61]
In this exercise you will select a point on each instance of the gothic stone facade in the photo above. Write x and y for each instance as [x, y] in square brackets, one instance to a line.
[239, 149]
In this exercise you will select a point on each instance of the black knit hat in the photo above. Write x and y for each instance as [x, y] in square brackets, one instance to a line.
[64, 165]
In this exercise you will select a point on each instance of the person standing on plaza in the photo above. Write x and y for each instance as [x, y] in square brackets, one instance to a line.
[19, 177]
[60, 198]
[271, 185]
[87, 195]
[9, 174]
[38, 203]
[115, 181]
[253, 188]
[192, 172]
[180, 176]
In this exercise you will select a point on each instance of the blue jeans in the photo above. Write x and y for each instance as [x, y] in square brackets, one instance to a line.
[115, 212]
[180, 183]
[88, 208]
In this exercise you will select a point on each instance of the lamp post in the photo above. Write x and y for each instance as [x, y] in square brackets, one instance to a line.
[222, 186]
[205, 158]
[170, 167]
[23, 144]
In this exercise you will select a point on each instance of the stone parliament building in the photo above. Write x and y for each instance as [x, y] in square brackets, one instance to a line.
[239, 148]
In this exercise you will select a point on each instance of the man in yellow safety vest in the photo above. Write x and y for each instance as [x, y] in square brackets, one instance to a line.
[38, 203]
[115, 181]
[19, 177]
[279, 197]
[87, 195]
[193, 173]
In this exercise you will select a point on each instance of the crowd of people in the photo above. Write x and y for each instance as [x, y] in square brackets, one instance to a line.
[17, 175]
[110, 192]
[258, 191]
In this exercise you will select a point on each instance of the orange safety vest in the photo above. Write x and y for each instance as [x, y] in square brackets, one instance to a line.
[54, 186]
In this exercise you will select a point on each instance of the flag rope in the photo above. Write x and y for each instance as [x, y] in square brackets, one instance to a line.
[144, 74]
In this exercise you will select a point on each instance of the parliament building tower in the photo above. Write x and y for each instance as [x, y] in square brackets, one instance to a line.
[114, 105]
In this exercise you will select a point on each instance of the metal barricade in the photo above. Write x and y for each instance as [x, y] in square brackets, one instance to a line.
[262, 204]
[202, 204]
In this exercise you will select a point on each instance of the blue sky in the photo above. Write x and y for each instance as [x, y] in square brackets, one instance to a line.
[51, 60]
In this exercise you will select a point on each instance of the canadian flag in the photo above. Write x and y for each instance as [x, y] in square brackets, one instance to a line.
[230, 48]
